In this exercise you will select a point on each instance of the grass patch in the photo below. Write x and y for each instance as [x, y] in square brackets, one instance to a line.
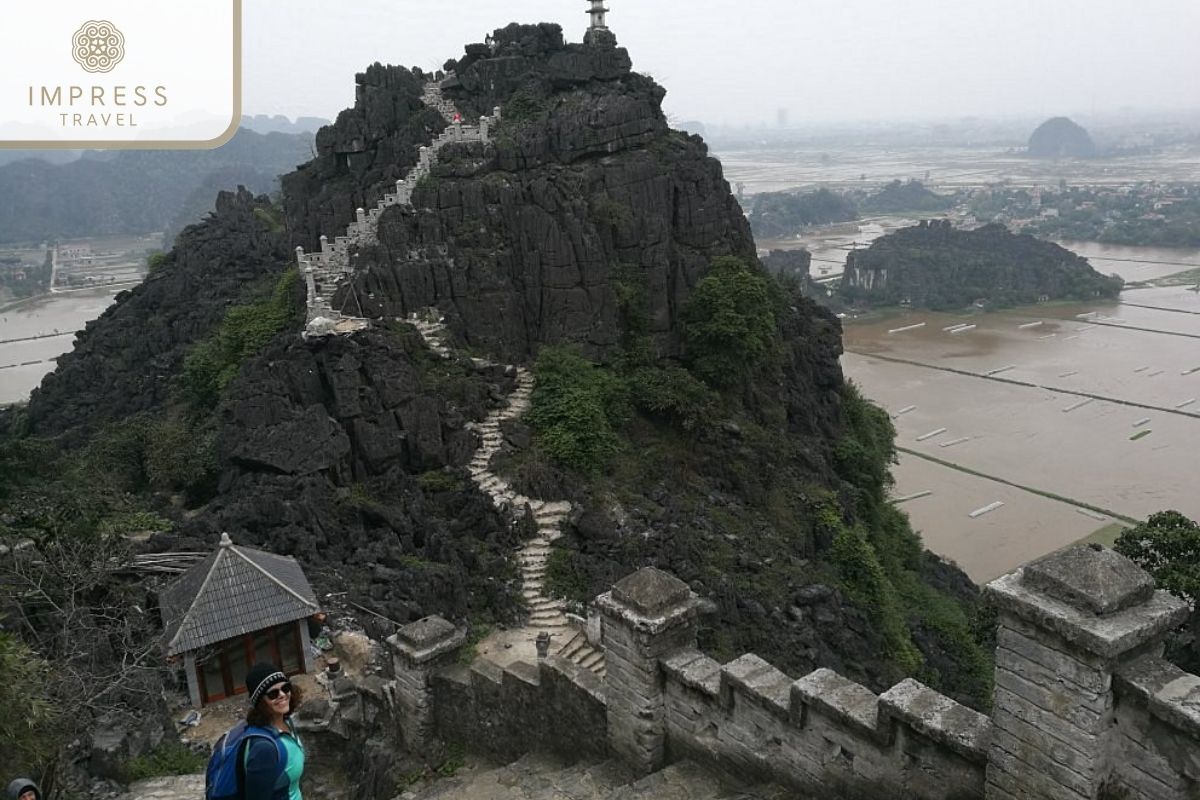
[1105, 535]
[245, 330]
[1140, 435]
[470, 649]
[564, 578]
[169, 758]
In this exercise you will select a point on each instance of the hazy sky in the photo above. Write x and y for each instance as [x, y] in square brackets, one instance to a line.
[736, 62]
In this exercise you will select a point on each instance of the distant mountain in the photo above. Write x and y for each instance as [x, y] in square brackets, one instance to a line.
[779, 214]
[934, 265]
[49, 156]
[1059, 137]
[136, 191]
[900, 196]
[264, 123]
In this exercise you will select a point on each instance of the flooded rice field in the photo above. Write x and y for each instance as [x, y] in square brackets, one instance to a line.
[35, 332]
[1070, 415]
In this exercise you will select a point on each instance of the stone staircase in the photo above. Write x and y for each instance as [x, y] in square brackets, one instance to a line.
[541, 777]
[545, 613]
[326, 269]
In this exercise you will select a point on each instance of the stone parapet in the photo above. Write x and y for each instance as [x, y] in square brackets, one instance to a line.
[1068, 623]
[823, 732]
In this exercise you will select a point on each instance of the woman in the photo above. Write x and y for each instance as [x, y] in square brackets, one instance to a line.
[272, 767]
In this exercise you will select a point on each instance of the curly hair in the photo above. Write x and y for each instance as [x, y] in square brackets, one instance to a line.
[260, 715]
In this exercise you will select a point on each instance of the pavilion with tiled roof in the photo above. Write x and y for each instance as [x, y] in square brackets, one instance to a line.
[237, 607]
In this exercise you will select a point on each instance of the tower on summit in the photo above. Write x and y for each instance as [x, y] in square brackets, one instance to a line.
[598, 34]
[597, 12]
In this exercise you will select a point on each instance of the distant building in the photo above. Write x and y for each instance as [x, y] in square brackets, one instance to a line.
[234, 609]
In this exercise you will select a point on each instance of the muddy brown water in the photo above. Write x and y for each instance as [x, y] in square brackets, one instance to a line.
[1057, 415]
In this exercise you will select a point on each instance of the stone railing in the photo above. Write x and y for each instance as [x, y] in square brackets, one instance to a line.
[1084, 706]
[327, 268]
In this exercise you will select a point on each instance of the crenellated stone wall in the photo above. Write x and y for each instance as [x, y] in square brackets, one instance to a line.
[1085, 708]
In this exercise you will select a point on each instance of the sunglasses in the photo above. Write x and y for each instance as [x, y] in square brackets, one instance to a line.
[274, 692]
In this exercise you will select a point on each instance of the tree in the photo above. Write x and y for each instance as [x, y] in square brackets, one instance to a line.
[29, 717]
[729, 322]
[1167, 545]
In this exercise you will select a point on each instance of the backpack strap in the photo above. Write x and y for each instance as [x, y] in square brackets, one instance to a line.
[243, 755]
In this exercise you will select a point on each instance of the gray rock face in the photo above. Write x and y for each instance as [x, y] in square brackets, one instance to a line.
[123, 362]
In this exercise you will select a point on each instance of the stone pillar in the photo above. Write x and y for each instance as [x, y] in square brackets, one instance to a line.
[1066, 623]
[193, 680]
[647, 616]
[483, 129]
[419, 650]
[306, 654]
[496, 113]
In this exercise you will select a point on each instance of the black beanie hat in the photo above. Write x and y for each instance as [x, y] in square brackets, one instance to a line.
[261, 677]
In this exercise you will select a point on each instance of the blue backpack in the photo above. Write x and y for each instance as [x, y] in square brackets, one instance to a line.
[225, 777]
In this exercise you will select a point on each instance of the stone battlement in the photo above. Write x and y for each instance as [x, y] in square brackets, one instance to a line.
[1084, 707]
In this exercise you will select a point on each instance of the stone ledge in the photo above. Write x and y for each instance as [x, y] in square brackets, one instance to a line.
[938, 718]
[694, 670]
[653, 625]
[754, 677]
[1091, 578]
[840, 699]
[426, 639]
[1106, 636]
[1169, 693]
[522, 671]
[581, 677]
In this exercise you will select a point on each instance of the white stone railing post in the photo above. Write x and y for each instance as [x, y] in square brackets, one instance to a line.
[1067, 623]
[647, 616]
[483, 129]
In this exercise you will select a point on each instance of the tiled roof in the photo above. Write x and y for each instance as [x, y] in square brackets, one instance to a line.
[235, 591]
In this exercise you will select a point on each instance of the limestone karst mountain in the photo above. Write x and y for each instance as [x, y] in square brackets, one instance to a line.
[935, 265]
[583, 222]
[1060, 137]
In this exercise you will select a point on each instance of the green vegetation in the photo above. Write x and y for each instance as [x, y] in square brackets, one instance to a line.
[1147, 216]
[1140, 435]
[246, 329]
[577, 407]
[29, 715]
[525, 105]
[565, 578]
[1167, 545]
[169, 758]
[788, 527]
[900, 196]
[156, 261]
[436, 480]
[934, 265]
[779, 214]
[729, 324]
[470, 649]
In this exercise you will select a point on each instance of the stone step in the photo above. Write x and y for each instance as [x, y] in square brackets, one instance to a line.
[502, 783]
[684, 779]
[584, 781]
[591, 659]
[573, 645]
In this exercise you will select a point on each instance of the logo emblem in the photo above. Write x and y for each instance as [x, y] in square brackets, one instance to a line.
[98, 46]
